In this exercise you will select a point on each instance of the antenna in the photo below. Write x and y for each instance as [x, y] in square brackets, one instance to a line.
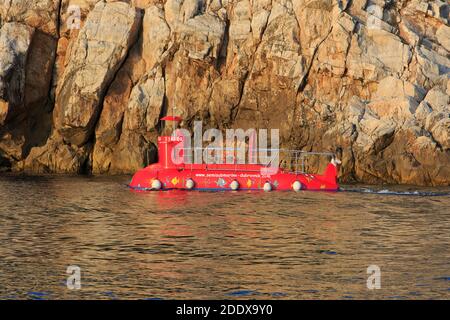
[173, 115]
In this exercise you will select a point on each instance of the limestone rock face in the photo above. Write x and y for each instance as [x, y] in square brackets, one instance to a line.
[26, 60]
[83, 83]
[138, 121]
[40, 14]
[15, 40]
[156, 35]
[57, 157]
[99, 50]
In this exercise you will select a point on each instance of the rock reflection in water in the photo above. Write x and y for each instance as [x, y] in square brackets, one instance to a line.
[165, 245]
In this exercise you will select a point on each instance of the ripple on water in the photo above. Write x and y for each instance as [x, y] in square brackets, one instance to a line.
[443, 278]
[241, 293]
[35, 295]
[199, 245]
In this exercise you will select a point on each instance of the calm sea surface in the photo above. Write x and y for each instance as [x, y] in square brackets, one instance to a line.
[195, 245]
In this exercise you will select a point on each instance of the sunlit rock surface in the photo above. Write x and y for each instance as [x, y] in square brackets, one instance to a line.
[369, 77]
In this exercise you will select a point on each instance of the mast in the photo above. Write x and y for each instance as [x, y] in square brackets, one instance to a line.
[173, 122]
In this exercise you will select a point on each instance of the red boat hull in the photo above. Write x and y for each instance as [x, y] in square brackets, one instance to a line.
[169, 174]
[220, 179]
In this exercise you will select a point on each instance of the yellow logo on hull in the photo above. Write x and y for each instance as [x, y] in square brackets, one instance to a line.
[175, 181]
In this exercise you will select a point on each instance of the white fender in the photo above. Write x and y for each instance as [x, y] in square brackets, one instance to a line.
[267, 187]
[156, 184]
[336, 162]
[234, 185]
[190, 184]
[297, 186]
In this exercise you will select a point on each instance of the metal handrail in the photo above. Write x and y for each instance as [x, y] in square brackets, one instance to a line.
[294, 155]
[283, 150]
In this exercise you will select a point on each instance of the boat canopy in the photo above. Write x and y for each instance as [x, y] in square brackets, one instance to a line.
[172, 118]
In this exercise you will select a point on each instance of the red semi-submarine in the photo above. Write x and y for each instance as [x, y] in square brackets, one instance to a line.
[172, 172]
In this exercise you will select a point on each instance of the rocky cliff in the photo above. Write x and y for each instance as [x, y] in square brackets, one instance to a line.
[83, 83]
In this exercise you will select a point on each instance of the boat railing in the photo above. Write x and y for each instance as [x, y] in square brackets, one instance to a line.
[296, 161]
[292, 161]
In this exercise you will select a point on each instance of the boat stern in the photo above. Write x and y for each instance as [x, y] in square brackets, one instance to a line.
[330, 176]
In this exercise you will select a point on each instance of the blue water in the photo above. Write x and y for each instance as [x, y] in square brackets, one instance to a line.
[228, 245]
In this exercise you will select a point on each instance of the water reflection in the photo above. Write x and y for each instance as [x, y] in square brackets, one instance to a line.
[164, 245]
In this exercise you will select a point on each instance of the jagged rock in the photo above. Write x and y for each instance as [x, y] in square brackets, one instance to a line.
[400, 109]
[240, 28]
[438, 100]
[443, 36]
[139, 118]
[318, 15]
[133, 151]
[331, 56]
[374, 134]
[180, 11]
[99, 50]
[432, 66]
[396, 99]
[441, 132]
[202, 36]
[145, 103]
[200, 33]
[433, 118]
[109, 127]
[277, 71]
[15, 40]
[40, 14]
[408, 33]
[225, 96]
[26, 62]
[376, 53]
[420, 159]
[56, 157]
[259, 23]
[156, 35]
[73, 14]
[25, 68]
[392, 87]
[422, 112]
[439, 9]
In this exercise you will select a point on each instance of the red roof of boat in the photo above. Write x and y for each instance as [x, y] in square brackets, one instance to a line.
[171, 118]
